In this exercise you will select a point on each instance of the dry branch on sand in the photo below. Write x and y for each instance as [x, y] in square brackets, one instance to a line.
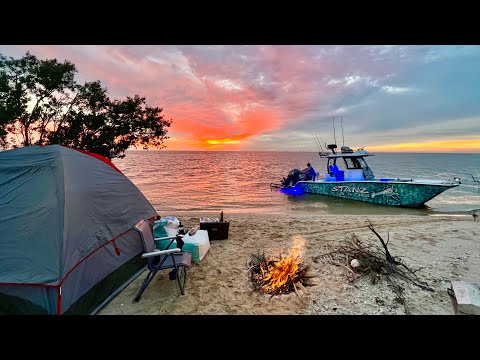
[368, 259]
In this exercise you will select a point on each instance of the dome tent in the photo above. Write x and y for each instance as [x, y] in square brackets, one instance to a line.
[67, 243]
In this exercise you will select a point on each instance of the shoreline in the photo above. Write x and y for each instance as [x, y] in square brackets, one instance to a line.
[445, 247]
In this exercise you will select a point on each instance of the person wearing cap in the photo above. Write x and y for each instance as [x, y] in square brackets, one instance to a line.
[310, 171]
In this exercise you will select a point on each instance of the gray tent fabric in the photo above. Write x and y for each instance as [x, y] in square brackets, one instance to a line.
[64, 215]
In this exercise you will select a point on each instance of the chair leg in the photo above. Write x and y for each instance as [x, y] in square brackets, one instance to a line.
[172, 275]
[182, 278]
[147, 280]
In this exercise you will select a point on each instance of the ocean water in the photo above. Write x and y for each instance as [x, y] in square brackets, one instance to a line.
[197, 181]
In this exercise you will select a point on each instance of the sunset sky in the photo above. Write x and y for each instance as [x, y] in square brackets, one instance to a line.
[278, 97]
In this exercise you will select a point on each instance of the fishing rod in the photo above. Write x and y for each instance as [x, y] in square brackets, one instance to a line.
[323, 151]
[316, 142]
[324, 143]
[318, 148]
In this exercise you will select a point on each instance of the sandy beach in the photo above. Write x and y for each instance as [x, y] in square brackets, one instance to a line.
[445, 247]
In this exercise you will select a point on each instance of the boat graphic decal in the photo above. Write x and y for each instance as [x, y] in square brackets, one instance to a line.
[389, 192]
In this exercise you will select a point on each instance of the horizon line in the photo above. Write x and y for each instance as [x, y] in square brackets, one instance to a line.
[299, 151]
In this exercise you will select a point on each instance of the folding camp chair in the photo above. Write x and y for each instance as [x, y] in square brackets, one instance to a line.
[174, 259]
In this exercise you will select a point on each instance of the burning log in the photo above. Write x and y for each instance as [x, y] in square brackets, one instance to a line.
[282, 275]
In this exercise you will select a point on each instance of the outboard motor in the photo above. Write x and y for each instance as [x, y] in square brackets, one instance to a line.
[293, 177]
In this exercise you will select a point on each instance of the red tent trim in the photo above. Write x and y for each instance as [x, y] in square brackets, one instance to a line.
[98, 156]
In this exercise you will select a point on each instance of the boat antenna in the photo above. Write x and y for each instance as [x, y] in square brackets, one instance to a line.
[334, 138]
[341, 122]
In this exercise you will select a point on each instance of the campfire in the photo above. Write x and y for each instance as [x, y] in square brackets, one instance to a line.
[281, 275]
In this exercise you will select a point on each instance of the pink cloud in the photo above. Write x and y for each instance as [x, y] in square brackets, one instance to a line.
[225, 92]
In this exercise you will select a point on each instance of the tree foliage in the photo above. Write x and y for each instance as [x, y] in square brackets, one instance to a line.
[41, 103]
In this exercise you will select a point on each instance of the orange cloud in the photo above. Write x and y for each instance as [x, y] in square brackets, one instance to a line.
[228, 133]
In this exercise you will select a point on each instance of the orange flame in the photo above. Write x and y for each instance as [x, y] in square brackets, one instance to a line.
[277, 275]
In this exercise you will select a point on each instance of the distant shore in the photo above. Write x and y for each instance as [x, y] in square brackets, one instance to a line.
[445, 247]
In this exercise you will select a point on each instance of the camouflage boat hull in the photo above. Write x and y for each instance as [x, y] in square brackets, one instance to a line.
[403, 194]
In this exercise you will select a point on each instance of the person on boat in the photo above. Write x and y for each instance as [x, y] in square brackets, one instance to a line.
[310, 171]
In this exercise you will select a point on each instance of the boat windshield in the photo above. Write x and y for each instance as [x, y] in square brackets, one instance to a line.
[353, 163]
[367, 172]
[363, 163]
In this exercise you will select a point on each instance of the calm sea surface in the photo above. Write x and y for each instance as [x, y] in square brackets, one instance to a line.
[196, 181]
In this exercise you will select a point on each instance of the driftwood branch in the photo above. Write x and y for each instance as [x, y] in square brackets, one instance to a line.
[387, 253]
[376, 261]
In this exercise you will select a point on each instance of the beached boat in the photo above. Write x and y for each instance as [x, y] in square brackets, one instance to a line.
[349, 176]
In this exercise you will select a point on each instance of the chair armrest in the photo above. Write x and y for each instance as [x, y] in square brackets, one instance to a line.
[160, 252]
[165, 238]
[178, 237]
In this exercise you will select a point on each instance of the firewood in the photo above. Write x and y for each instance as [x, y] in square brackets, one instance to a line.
[309, 274]
[309, 282]
[300, 285]
[295, 288]
[262, 269]
[303, 268]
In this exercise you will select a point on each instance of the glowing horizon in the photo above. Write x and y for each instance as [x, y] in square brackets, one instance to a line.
[278, 97]
[442, 146]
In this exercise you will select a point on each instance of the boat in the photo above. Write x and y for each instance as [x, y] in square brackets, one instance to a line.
[349, 176]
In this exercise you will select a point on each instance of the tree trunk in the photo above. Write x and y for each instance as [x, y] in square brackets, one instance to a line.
[26, 138]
